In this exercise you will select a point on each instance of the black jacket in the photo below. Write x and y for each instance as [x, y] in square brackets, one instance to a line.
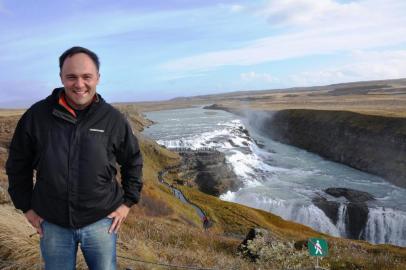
[75, 162]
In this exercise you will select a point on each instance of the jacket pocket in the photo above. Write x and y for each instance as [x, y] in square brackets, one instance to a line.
[94, 166]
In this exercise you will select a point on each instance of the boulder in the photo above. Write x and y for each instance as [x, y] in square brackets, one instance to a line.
[254, 242]
[351, 195]
[209, 171]
[330, 208]
[357, 214]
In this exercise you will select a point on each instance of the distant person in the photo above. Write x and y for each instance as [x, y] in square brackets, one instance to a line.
[206, 223]
[73, 139]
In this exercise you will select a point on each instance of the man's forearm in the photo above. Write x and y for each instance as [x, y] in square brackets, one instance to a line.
[20, 191]
[132, 185]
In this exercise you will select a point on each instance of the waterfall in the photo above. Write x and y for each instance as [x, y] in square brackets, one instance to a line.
[312, 216]
[386, 225]
[342, 220]
[307, 214]
[283, 179]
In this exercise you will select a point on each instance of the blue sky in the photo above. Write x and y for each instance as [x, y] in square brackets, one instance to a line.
[156, 50]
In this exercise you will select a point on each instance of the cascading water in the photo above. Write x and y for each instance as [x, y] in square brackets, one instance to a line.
[307, 214]
[342, 220]
[386, 226]
[283, 179]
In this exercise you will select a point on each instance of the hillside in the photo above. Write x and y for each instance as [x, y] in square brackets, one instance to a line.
[163, 229]
[386, 97]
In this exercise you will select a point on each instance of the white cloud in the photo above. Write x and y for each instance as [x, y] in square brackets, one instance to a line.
[306, 12]
[253, 76]
[324, 28]
[363, 65]
[236, 8]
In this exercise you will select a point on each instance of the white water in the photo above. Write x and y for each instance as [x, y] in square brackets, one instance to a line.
[283, 179]
[386, 226]
[341, 220]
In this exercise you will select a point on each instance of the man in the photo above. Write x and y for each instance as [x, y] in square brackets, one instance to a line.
[73, 139]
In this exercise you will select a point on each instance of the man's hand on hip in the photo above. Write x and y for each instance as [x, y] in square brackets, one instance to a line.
[118, 217]
[34, 220]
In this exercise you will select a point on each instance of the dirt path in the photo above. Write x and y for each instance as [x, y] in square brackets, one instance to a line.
[178, 194]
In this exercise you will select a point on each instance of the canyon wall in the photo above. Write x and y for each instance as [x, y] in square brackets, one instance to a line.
[373, 144]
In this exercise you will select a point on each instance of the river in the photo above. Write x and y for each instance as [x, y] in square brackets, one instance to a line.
[280, 178]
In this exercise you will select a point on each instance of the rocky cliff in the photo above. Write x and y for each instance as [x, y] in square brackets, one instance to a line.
[373, 144]
[209, 171]
[356, 211]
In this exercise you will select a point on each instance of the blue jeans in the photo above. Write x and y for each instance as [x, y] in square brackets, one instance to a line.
[59, 246]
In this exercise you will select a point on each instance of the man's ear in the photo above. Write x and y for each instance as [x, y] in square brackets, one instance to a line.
[98, 77]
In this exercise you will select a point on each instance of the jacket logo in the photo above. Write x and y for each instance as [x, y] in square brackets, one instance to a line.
[96, 130]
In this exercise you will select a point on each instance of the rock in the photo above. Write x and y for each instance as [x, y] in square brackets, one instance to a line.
[330, 208]
[261, 246]
[357, 214]
[209, 171]
[232, 143]
[357, 209]
[301, 244]
[351, 195]
[258, 238]
[215, 107]
[223, 108]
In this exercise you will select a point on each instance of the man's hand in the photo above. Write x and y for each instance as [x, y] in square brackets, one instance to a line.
[34, 220]
[118, 217]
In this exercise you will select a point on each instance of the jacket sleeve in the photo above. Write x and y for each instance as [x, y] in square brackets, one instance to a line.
[130, 159]
[19, 166]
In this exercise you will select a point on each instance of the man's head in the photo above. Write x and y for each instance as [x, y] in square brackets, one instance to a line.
[79, 72]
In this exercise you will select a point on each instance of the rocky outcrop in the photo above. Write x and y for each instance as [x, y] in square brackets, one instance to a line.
[209, 171]
[261, 245]
[330, 208]
[373, 144]
[223, 108]
[356, 214]
[138, 120]
[351, 195]
[253, 235]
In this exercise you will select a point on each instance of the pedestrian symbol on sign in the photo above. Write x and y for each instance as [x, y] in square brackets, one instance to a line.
[317, 247]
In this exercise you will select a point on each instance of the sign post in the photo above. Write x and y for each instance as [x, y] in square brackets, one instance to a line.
[318, 247]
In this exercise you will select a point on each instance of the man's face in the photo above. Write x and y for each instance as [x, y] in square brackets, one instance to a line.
[79, 76]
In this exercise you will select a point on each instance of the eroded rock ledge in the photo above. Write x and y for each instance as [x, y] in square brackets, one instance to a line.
[208, 171]
[356, 214]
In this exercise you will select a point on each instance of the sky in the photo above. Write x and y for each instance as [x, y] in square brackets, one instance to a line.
[157, 50]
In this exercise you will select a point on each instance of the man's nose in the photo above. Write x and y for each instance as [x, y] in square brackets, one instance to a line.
[80, 83]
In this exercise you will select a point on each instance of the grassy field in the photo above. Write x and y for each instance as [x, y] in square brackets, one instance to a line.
[386, 98]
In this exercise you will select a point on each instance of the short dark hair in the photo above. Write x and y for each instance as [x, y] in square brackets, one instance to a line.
[74, 50]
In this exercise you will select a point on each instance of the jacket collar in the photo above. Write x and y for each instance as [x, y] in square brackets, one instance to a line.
[62, 108]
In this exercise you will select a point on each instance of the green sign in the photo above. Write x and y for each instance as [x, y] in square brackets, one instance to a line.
[317, 247]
